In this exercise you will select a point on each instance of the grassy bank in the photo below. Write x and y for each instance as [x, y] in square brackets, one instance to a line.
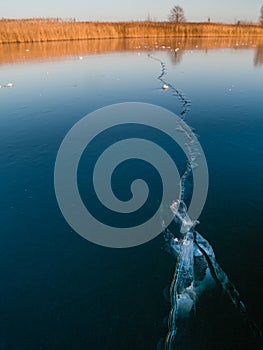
[35, 30]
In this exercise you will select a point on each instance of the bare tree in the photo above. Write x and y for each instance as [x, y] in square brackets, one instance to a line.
[177, 14]
[261, 16]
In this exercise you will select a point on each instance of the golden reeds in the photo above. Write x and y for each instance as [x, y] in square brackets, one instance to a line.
[39, 30]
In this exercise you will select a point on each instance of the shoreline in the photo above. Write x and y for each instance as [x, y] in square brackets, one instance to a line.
[48, 30]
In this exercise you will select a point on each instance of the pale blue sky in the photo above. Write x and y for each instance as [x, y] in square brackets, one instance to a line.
[114, 10]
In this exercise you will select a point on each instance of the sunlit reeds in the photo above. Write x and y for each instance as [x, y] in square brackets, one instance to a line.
[39, 30]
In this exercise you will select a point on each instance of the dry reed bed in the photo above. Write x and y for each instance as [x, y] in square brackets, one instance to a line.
[25, 31]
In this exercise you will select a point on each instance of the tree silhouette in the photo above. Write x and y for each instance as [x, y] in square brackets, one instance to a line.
[177, 14]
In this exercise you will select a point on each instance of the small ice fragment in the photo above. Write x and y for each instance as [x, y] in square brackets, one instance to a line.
[185, 305]
[174, 206]
[193, 165]
[186, 243]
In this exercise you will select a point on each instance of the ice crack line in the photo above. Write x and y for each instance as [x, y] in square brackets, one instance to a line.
[185, 102]
[191, 249]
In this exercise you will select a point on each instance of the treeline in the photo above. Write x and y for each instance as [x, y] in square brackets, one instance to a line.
[40, 30]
